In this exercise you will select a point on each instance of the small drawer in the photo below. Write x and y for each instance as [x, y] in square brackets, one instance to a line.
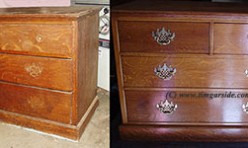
[151, 106]
[231, 38]
[36, 39]
[52, 105]
[187, 37]
[150, 72]
[37, 71]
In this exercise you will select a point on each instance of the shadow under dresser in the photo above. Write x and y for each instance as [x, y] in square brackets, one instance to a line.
[182, 70]
[48, 68]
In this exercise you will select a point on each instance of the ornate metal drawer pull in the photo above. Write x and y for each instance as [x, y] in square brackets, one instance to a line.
[246, 72]
[245, 107]
[33, 69]
[163, 37]
[166, 107]
[165, 72]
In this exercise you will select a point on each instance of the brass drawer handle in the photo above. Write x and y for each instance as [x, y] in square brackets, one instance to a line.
[245, 107]
[33, 69]
[166, 107]
[163, 37]
[165, 72]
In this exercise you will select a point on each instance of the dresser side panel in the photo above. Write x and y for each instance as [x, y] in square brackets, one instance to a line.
[87, 62]
[116, 41]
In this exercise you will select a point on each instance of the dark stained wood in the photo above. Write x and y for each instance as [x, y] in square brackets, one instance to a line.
[186, 7]
[193, 106]
[185, 133]
[36, 71]
[218, 67]
[231, 38]
[52, 105]
[190, 72]
[189, 37]
[36, 39]
[50, 58]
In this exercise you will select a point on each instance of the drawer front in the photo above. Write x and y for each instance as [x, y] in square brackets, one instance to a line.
[231, 38]
[188, 37]
[44, 40]
[190, 72]
[35, 102]
[142, 107]
[36, 71]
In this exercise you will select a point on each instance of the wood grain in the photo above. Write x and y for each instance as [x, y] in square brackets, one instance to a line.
[189, 37]
[192, 106]
[231, 39]
[48, 58]
[87, 64]
[36, 39]
[65, 130]
[191, 72]
[184, 133]
[52, 105]
[209, 53]
[48, 72]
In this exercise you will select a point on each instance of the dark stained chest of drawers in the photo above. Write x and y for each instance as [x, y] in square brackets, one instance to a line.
[176, 64]
[48, 68]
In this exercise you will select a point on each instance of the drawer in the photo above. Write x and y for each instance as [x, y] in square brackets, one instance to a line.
[52, 105]
[36, 39]
[231, 38]
[189, 37]
[142, 107]
[36, 71]
[190, 72]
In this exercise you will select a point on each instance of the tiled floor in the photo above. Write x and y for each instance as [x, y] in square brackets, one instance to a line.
[96, 135]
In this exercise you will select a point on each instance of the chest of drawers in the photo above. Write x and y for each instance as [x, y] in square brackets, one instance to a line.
[48, 68]
[182, 70]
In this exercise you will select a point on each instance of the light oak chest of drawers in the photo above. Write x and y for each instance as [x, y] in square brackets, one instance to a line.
[48, 68]
[182, 70]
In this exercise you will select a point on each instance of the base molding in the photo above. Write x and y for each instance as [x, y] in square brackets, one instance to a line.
[184, 133]
[51, 127]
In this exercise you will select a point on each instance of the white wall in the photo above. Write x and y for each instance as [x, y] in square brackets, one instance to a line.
[33, 3]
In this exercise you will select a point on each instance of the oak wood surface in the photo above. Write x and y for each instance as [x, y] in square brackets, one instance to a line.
[36, 71]
[52, 53]
[218, 67]
[190, 72]
[185, 133]
[87, 63]
[65, 130]
[189, 37]
[49, 12]
[52, 105]
[36, 39]
[209, 106]
[231, 38]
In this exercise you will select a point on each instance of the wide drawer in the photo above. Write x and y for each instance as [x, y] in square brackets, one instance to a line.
[188, 38]
[144, 106]
[231, 38]
[37, 71]
[36, 39]
[190, 72]
[45, 104]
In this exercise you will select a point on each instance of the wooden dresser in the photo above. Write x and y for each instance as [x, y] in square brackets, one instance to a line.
[48, 68]
[182, 70]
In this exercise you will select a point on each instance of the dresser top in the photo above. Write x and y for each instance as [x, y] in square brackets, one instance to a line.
[71, 12]
[145, 6]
